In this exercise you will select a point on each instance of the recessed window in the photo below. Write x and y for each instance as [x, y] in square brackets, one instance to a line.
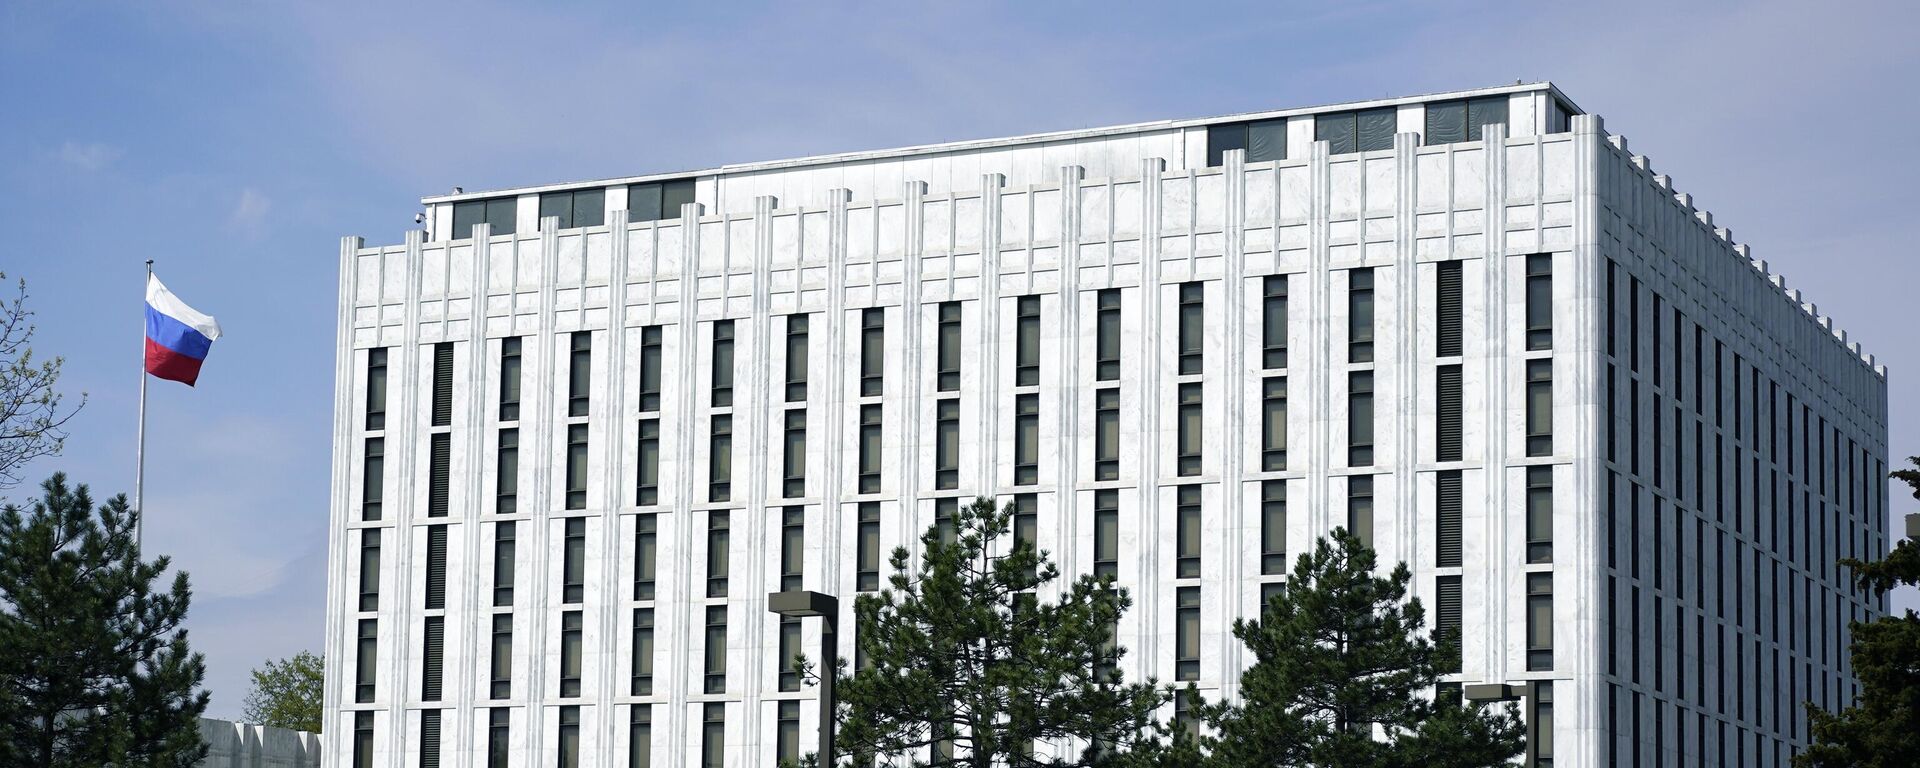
[1106, 434]
[1192, 327]
[948, 357]
[1540, 408]
[657, 200]
[1026, 359]
[506, 480]
[1026, 439]
[1263, 140]
[500, 661]
[1360, 508]
[1540, 515]
[650, 369]
[1107, 341]
[572, 629]
[576, 466]
[372, 478]
[873, 351]
[1186, 637]
[796, 358]
[1187, 458]
[1459, 120]
[1106, 533]
[1540, 304]
[376, 389]
[1367, 130]
[370, 569]
[510, 379]
[575, 207]
[1273, 527]
[573, 567]
[720, 459]
[497, 213]
[867, 548]
[1540, 621]
[579, 373]
[722, 391]
[646, 555]
[794, 459]
[1273, 331]
[1187, 538]
[716, 650]
[869, 448]
[641, 682]
[1273, 424]
[646, 490]
[1360, 419]
[719, 525]
[503, 545]
[1360, 316]
[946, 448]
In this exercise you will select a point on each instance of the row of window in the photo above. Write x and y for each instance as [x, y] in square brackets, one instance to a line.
[1366, 130]
[650, 201]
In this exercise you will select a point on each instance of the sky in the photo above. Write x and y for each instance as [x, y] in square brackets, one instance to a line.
[235, 143]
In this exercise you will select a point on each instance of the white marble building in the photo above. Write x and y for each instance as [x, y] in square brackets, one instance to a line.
[1190, 346]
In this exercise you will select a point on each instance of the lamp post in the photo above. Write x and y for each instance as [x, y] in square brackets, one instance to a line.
[802, 604]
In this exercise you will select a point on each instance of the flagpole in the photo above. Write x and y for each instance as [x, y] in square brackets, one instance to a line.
[140, 439]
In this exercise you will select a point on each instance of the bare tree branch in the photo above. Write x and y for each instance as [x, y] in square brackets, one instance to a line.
[32, 418]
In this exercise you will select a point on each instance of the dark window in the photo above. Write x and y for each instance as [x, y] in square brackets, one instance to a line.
[1540, 407]
[1540, 301]
[372, 478]
[867, 552]
[1540, 734]
[1187, 460]
[367, 661]
[1447, 417]
[1463, 120]
[1186, 637]
[571, 627]
[787, 735]
[1447, 533]
[646, 486]
[1026, 529]
[1363, 131]
[506, 481]
[1187, 538]
[376, 389]
[716, 649]
[503, 542]
[641, 684]
[436, 581]
[720, 459]
[1273, 330]
[650, 369]
[640, 736]
[1360, 316]
[713, 735]
[1540, 515]
[1360, 418]
[442, 384]
[870, 447]
[370, 569]
[363, 739]
[1360, 508]
[722, 393]
[873, 351]
[719, 528]
[1263, 140]
[573, 565]
[1446, 621]
[1026, 347]
[575, 208]
[1447, 315]
[646, 555]
[499, 737]
[439, 472]
[430, 737]
[796, 358]
[510, 379]
[579, 373]
[793, 542]
[794, 459]
[944, 511]
[1106, 434]
[1106, 533]
[1540, 621]
[1107, 337]
[497, 213]
[946, 449]
[657, 200]
[948, 358]
[1193, 298]
[1026, 439]
[1273, 424]
[577, 466]
[1273, 527]
[500, 672]
[569, 747]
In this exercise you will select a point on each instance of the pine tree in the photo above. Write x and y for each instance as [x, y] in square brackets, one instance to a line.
[94, 667]
[1882, 728]
[1341, 675]
[967, 666]
[287, 693]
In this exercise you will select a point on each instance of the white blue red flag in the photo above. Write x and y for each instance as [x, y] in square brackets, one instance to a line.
[178, 336]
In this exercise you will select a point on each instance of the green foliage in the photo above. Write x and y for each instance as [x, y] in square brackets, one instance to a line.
[1340, 677]
[966, 665]
[94, 667]
[1882, 729]
[288, 693]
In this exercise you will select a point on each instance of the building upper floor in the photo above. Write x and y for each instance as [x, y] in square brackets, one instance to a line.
[1525, 109]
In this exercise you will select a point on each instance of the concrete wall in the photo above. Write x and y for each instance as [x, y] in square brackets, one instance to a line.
[240, 745]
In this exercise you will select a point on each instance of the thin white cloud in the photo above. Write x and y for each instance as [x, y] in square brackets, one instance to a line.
[249, 215]
[88, 156]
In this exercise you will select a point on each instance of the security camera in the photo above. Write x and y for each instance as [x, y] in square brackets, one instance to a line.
[419, 218]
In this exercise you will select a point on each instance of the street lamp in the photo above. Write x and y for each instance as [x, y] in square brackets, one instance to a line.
[802, 604]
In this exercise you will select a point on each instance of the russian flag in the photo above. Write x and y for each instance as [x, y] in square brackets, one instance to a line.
[178, 336]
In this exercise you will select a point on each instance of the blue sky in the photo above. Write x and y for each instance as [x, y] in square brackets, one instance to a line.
[235, 143]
